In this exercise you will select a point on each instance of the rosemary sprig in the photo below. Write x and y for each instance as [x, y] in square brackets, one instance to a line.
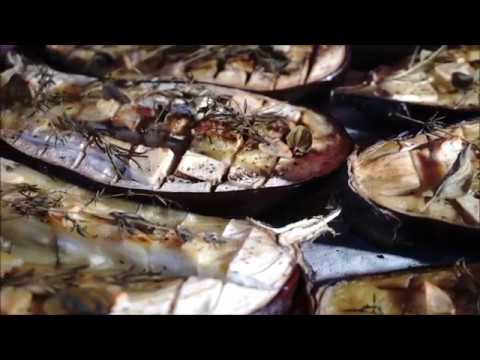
[44, 282]
[414, 56]
[95, 136]
[99, 195]
[134, 223]
[420, 64]
[76, 227]
[223, 109]
[434, 124]
[45, 99]
[35, 202]
[265, 56]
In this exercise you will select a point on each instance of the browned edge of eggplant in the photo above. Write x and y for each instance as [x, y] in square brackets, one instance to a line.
[391, 230]
[389, 113]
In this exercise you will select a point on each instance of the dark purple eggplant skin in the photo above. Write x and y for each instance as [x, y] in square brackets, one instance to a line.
[402, 232]
[383, 113]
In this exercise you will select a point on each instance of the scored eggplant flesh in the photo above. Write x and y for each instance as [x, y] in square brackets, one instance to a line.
[262, 68]
[432, 175]
[449, 291]
[446, 78]
[67, 250]
[172, 137]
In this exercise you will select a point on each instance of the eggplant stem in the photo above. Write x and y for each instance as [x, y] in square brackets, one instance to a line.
[315, 226]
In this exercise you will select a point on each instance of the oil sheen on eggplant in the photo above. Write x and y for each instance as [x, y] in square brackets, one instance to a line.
[177, 140]
[420, 190]
[65, 250]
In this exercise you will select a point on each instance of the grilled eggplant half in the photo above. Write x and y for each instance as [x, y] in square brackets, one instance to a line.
[67, 250]
[443, 82]
[447, 291]
[261, 68]
[168, 138]
[419, 189]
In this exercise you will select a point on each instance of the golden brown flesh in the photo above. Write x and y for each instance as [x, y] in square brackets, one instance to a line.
[433, 175]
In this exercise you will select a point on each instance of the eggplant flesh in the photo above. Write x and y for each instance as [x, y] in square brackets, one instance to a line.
[171, 138]
[447, 291]
[418, 190]
[262, 68]
[67, 250]
[443, 83]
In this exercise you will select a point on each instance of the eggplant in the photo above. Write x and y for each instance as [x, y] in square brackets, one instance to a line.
[281, 71]
[192, 144]
[452, 290]
[428, 85]
[418, 191]
[66, 250]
